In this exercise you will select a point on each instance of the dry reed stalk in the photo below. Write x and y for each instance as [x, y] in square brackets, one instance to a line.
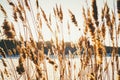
[33, 43]
[58, 29]
[38, 33]
[11, 3]
[74, 71]
[2, 75]
[69, 70]
[103, 29]
[85, 21]
[118, 8]
[55, 67]
[6, 72]
[21, 16]
[46, 20]
[58, 13]
[100, 52]
[57, 10]
[54, 10]
[91, 76]
[51, 61]
[90, 25]
[112, 62]
[2, 52]
[4, 63]
[62, 62]
[117, 61]
[50, 19]
[83, 13]
[73, 19]
[102, 15]
[44, 15]
[118, 30]
[86, 55]
[109, 22]
[21, 11]
[15, 14]
[45, 67]
[61, 65]
[90, 56]
[3, 10]
[113, 18]
[118, 75]
[14, 73]
[39, 71]
[22, 20]
[20, 7]
[37, 4]
[14, 11]
[10, 53]
[95, 12]
[79, 75]
[14, 51]
[40, 21]
[107, 15]
[27, 4]
[114, 24]
[68, 27]
[20, 69]
[106, 69]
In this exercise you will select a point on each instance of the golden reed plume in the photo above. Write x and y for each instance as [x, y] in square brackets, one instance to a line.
[73, 19]
[95, 12]
[8, 28]
[58, 12]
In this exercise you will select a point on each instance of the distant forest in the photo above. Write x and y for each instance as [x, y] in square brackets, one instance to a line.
[11, 44]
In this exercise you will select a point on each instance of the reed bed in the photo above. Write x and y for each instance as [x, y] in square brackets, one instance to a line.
[88, 62]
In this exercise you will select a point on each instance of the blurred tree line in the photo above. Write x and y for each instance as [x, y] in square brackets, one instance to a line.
[11, 45]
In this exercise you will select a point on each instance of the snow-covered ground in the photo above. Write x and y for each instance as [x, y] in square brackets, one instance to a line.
[54, 75]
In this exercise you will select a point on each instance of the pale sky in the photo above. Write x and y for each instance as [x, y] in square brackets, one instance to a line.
[47, 5]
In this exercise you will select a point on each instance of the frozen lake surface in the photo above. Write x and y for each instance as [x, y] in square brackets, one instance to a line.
[55, 75]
